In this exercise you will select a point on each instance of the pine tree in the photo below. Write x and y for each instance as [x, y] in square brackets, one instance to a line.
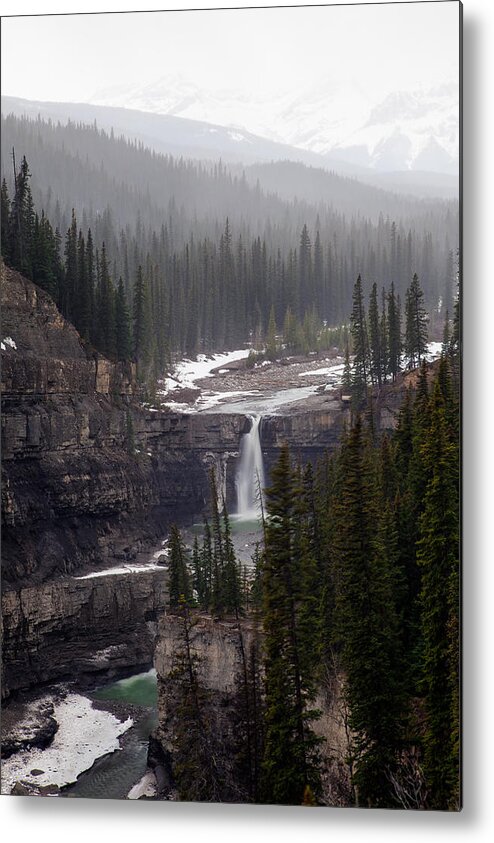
[290, 754]
[83, 300]
[4, 221]
[45, 258]
[21, 221]
[140, 316]
[438, 555]
[90, 275]
[358, 330]
[375, 336]
[347, 371]
[194, 743]
[105, 321]
[368, 627]
[179, 581]
[122, 324]
[384, 338]
[232, 590]
[416, 324]
[394, 335]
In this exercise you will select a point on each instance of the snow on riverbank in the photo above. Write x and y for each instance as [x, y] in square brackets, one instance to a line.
[126, 569]
[187, 372]
[328, 370]
[145, 787]
[84, 734]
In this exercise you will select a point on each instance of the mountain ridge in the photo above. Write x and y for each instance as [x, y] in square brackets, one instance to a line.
[182, 137]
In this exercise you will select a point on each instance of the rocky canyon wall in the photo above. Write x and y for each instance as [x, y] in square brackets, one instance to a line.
[216, 647]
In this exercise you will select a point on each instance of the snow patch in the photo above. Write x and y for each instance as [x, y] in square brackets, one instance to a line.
[8, 341]
[327, 370]
[84, 735]
[236, 136]
[145, 787]
[122, 569]
[187, 372]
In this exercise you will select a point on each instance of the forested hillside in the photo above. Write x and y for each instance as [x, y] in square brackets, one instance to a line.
[152, 257]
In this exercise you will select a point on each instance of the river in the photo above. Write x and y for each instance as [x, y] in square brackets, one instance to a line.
[114, 775]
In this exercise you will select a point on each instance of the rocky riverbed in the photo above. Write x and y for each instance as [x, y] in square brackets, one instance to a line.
[232, 385]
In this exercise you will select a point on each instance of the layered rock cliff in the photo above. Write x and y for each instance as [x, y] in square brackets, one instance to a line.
[88, 474]
[73, 628]
[89, 478]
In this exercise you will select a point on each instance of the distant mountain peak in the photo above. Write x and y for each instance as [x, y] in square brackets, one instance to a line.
[336, 119]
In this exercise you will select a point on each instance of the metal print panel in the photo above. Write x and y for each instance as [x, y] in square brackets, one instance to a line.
[231, 406]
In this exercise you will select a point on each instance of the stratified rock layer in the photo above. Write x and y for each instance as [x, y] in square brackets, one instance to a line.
[73, 628]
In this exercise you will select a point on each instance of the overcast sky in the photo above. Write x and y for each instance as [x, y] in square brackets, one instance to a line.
[383, 47]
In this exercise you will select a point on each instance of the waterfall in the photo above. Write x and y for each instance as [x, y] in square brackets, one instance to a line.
[250, 473]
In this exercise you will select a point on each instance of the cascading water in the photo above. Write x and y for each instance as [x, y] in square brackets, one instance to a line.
[250, 473]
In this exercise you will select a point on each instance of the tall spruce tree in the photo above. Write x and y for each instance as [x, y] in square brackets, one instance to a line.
[290, 760]
[179, 588]
[4, 221]
[394, 334]
[416, 324]
[368, 627]
[360, 342]
[105, 322]
[140, 316]
[21, 220]
[438, 558]
[375, 340]
[122, 324]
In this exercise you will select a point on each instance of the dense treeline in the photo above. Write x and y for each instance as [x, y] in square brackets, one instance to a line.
[206, 296]
[380, 347]
[170, 215]
[359, 574]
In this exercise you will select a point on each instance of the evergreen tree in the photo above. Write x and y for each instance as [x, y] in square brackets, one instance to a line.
[358, 330]
[384, 338]
[368, 627]
[122, 324]
[4, 221]
[68, 292]
[416, 324]
[290, 753]
[140, 316]
[394, 335]
[105, 323]
[90, 275]
[179, 580]
[375, 337]
[196, 760]
[438, 555]
[83, 300]
[21, 221]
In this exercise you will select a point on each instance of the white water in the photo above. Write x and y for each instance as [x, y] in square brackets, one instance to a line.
[250, 473]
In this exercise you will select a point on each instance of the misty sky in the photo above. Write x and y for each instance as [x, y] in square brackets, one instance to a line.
[382, 47]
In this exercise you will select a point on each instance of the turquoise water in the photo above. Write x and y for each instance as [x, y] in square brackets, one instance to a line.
[113, 775]
[140, 689]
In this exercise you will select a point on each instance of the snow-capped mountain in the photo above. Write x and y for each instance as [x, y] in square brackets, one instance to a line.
[416, 130]
[407, 130]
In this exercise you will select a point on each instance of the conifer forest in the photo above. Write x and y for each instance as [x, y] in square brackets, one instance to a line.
[230, 458]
